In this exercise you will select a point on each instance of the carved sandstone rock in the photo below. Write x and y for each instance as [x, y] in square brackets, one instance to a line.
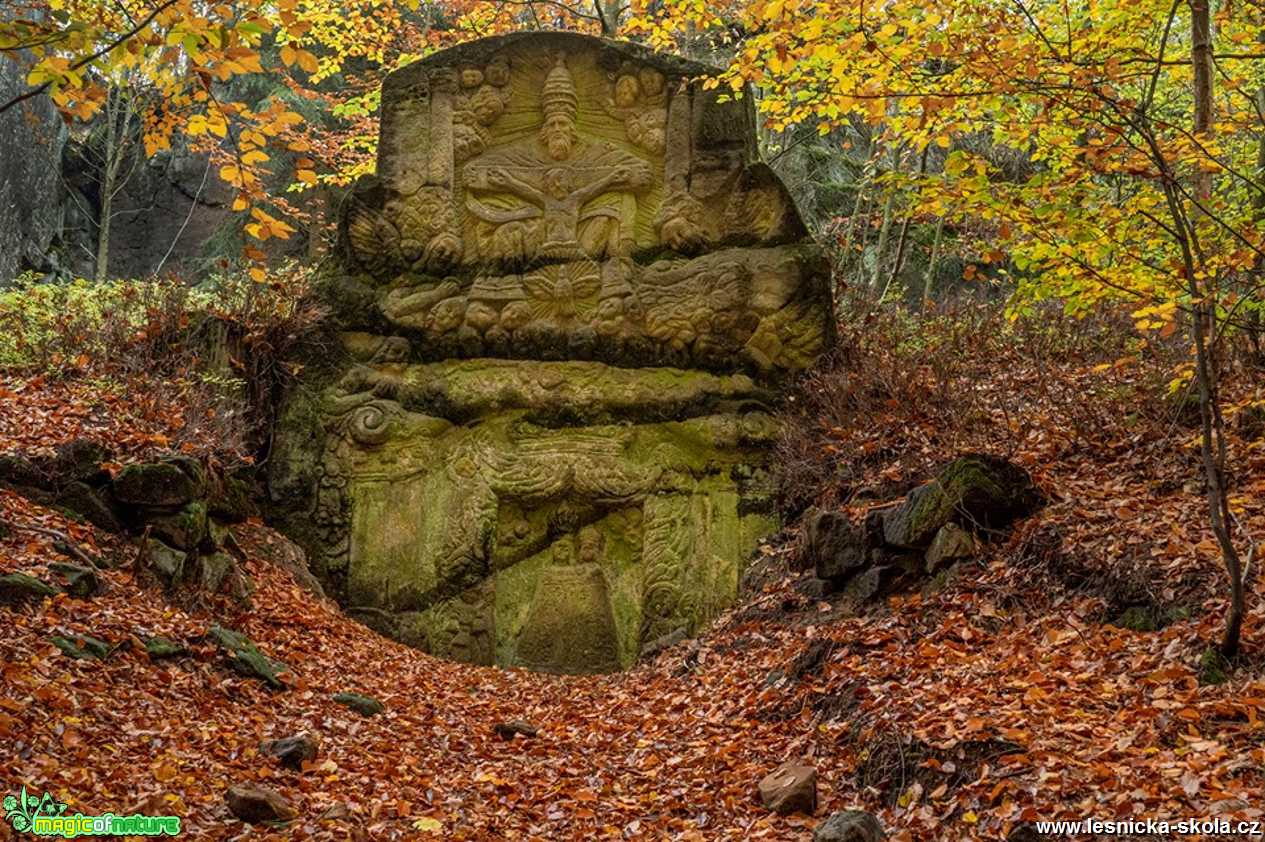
[568, 303]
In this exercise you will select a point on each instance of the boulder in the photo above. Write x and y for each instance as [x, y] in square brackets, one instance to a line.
[16, 469]
[256, 804]
[509, 730]
[159, 647]
[815, 588]
[19, 587]
[232, 497]
[244, 657]
[833, 546]
[156, 484]
[214, 570]
[184, 529]
[952, 543]
[292, 752]
[790, 788]
[849, 826]
[82, 582]
[82, 500]
[865, 585]
[974, 489]
[82, 646]
[361, 704]
[80, 460]
[161, 562]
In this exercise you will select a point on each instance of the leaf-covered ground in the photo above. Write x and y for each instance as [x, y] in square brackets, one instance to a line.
[956, 711]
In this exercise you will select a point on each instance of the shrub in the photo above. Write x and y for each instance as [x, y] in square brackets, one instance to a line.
[221, 352]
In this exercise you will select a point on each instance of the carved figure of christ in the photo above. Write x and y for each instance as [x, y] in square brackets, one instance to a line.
[556, 200]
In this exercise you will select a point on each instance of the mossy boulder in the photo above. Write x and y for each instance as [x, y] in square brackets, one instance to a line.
[80, 460]
[86, 502]
[834, 546]
[82, 582]
[165, 483]
[159, 647]
[245, 658]
[161, 562]
[231, 498]
[20, 587]
[975, 490]
[82, 646]
[361, 704]
[184, 529]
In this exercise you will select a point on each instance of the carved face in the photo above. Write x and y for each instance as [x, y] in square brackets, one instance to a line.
[448, 314]
[651, 81]
[627, 91]
[487, 105]
[515, 315]
[558, 135]
[590, 545]
[497, 72]
[559, 183]
[471, 77]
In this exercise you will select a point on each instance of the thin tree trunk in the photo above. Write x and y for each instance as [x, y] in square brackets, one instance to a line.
[108, 172]
[929, 278]
[903, 240]
[1205, 335]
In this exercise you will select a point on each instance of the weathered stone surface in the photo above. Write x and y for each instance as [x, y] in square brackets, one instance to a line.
[19, 587]
[833, 546]
[161, 562]
[257, 804]
[33, 135]
[155, 484]
[82, 646]
[790, 788]
[83, 582]
[292, 752]
[975, 490]
[952, 543]
[87, 502]
[572, 297]
[244, 657]
[361, 704]
[184, 529]
[159, 647]
[849, 826]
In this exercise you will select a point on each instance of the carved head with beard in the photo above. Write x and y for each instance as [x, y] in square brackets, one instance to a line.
[559, 103]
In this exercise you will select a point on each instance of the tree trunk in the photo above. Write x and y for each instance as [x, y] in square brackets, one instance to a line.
[928, 280]
[1207, 341]
[108, 172]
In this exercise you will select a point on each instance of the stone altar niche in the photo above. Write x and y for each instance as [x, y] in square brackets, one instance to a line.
[568, 299]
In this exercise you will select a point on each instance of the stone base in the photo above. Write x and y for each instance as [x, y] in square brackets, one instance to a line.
[558, 548]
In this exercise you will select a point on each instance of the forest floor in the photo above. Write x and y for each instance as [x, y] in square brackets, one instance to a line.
[998, 696]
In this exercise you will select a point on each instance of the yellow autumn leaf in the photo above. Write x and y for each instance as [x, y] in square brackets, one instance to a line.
[428, 825]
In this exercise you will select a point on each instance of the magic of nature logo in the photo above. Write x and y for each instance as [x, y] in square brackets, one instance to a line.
[46, 816]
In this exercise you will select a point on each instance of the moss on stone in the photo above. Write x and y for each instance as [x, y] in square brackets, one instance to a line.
[158, 647]
[82, 646]
[244, 657]
[361, 704]
[18, 587]
[1214, 668]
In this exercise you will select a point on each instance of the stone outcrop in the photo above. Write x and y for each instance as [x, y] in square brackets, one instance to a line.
[937, 524]
[177, 508]
[568, 302]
